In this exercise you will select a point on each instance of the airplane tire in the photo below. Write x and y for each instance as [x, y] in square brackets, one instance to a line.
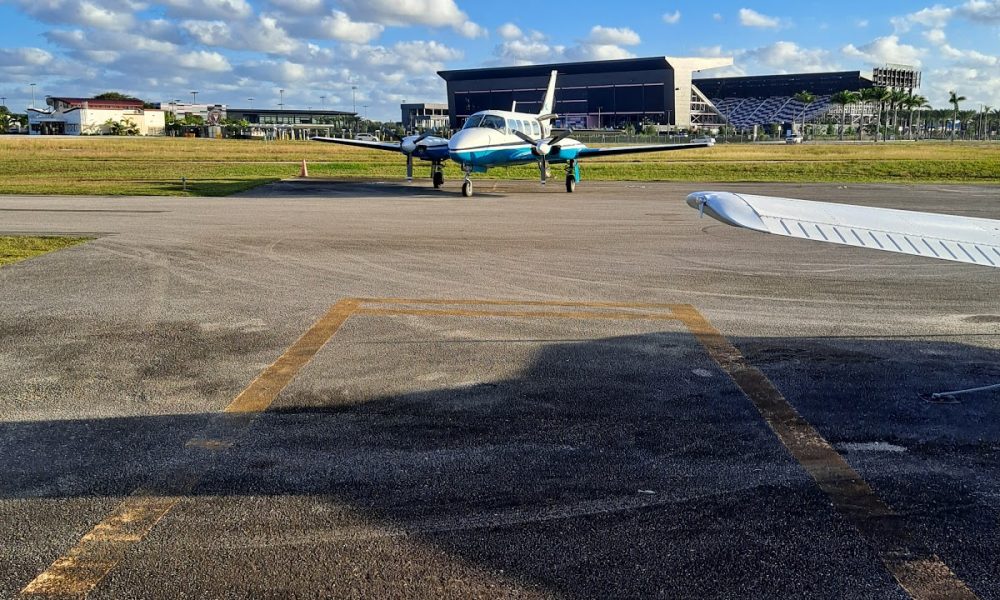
[438, 179]
[570, 184]
[467, 188]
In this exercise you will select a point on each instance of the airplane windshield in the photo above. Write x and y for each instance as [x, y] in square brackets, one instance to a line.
[488, 121]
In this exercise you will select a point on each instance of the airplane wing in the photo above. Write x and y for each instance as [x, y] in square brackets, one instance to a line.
[948, 237]
[585, 152]
[392, 146]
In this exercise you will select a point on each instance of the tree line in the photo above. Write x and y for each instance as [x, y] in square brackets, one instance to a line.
[905, 109]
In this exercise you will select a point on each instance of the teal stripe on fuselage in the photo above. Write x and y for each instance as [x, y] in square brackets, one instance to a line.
[494, 157]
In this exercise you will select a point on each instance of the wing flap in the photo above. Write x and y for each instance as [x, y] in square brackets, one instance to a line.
[585, 152]
[947, 237]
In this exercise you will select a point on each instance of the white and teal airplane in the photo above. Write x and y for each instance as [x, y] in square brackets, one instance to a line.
[497, 138]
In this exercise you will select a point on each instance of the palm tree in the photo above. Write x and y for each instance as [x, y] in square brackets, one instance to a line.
[913, 103]
[954, 99]
[805, 98]
[843, 99]
[877, 96]
[896, 99]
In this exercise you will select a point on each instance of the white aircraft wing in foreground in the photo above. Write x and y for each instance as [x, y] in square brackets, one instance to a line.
[948, 237]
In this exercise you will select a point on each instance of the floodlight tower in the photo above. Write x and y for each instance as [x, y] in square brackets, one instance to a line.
[32, 95]
[194, 97]
[281, 99]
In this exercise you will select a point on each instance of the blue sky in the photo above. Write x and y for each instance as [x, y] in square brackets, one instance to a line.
[231, 50]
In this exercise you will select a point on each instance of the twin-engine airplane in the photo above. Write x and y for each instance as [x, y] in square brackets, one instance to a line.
[495, 138]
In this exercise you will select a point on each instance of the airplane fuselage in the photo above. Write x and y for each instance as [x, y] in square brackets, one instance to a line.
[488, 140]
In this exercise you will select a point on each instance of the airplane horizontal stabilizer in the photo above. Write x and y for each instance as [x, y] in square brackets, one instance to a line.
[948, 237]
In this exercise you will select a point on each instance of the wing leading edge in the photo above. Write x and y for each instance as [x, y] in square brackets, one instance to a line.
[948, 237]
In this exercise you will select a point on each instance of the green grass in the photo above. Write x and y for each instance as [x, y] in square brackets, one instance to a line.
[17, 248]
[155, 166]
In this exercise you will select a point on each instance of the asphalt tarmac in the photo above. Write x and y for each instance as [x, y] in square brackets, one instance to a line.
[359, 390]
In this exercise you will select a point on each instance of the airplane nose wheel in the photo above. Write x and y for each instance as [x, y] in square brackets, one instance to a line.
[438, 178]
[467, 188]
[570, 184]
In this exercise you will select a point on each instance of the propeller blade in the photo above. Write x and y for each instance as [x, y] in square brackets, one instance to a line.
[421, 138]
[524, 137]
[543, 167]
[409, 167]
[561, 137]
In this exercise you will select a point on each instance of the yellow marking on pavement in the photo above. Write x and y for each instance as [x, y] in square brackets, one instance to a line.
[597, 315]
[263, 390]
[98, 552]
[484, 302]
[208, 444]
[922, 574]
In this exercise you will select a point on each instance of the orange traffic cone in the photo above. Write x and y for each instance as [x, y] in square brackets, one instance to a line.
[305, 170]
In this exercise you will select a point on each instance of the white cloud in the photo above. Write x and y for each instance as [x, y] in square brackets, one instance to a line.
[115, 15]
[752, 18]
[862, 23]
[935, 36]
[435, 13]
[212, 62]
[24, 57]
[612, 36]
[672, 18]
[300, 7]
[208, 9]
[886, 49]
[262, 35]
[509, 31]
[339, 26]
[716, 17]
[586, 52]
[935, 17]
[981, 10]
[789, 57]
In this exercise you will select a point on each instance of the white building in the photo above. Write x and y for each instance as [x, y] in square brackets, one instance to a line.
[89, 116]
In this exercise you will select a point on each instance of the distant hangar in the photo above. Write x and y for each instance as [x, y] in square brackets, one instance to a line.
[660, 90]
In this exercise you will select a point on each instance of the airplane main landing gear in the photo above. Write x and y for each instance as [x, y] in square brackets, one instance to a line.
[570, 183]
[572, 171]
[467, 188]
[437, 175]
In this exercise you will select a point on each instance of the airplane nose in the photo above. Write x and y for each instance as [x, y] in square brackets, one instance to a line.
[467, 139]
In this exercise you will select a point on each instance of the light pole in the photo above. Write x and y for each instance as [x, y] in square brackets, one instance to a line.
[194, 97]
[365, 106]
[322, 100]
[354, 99]
[250, 100]
[3, 100]
[32, 95]
[281, 99]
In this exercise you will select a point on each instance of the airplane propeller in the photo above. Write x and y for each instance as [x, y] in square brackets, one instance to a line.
[542, 148]
[408, 145]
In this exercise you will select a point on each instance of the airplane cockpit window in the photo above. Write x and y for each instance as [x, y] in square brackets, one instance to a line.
[473, 121]
[494, 122]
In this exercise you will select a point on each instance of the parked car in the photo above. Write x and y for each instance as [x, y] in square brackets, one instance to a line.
[793, 139]
[707, 139]
[366, 137]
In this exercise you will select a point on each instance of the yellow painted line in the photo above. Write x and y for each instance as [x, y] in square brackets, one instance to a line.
[98, 552]
[263, 390]
[922, 574]
[485, 302]
[458, 312]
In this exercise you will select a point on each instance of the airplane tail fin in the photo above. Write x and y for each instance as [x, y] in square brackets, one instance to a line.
[548, 103]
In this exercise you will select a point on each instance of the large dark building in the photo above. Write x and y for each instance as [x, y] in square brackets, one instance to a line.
[595, 94]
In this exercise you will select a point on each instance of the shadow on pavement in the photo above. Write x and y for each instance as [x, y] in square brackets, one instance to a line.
[629, 467]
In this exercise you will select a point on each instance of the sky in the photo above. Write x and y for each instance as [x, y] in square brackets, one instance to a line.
[390, 50]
